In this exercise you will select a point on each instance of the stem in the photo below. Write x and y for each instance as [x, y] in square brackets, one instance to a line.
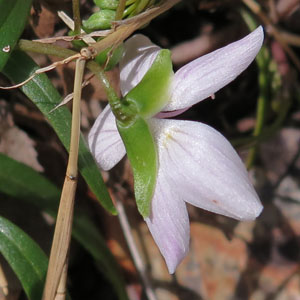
[76, 16]
[138, 261]
[72, 168]
[48, 49]
[263, 61]
[120, 10]
[123, 111]
[63, 229]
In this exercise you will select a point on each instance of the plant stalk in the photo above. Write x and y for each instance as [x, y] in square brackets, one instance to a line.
[76, 16]
[63, 229]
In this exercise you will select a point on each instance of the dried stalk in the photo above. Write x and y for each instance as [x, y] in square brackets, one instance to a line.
[57, 267]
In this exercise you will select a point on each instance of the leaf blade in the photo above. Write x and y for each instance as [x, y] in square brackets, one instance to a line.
[13, 17]
[25, 257]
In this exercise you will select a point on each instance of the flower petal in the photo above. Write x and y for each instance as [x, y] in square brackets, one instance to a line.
[205, 170]
[168, 223]
[104, 140]
[138, 57]
[206, 75]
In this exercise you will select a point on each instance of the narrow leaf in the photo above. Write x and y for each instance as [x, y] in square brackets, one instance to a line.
[41, 91]
[13, 17]
[25, 257]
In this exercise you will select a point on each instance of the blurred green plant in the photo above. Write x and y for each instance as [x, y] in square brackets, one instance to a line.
[22, 183]
[25, 257]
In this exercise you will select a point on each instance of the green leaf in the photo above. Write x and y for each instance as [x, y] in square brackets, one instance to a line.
[25, 257]
[13, 17]
[151, 94]
[41, 91]
[22, 182]
[142, 155]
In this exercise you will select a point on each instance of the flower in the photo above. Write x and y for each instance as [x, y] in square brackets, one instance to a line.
[196, 164]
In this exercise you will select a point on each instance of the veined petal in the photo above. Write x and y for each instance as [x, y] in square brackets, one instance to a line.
[139, 56]
[206, 75]
[168, 223]
[204, 169]
[104, 140]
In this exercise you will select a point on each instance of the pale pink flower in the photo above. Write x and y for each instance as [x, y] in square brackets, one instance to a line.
[197, 164]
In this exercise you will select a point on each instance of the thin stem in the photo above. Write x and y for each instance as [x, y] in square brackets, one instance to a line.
[263, 61]
[120, 10]
[48, 49]
[76, 16]
[63, 229]
[138, 261]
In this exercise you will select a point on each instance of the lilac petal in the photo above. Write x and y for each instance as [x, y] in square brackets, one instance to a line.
[204, 169]
[140, 54]
[105, 142]
[206, 75]
[168, 223]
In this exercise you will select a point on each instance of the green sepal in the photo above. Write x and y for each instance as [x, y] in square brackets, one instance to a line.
[99, 20]
[114, 59]
[151, 94]
[142, 154]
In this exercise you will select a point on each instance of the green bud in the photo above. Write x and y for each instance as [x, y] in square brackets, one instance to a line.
[107, 4]
[99, 20]
[114, 59]
[142, 154]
